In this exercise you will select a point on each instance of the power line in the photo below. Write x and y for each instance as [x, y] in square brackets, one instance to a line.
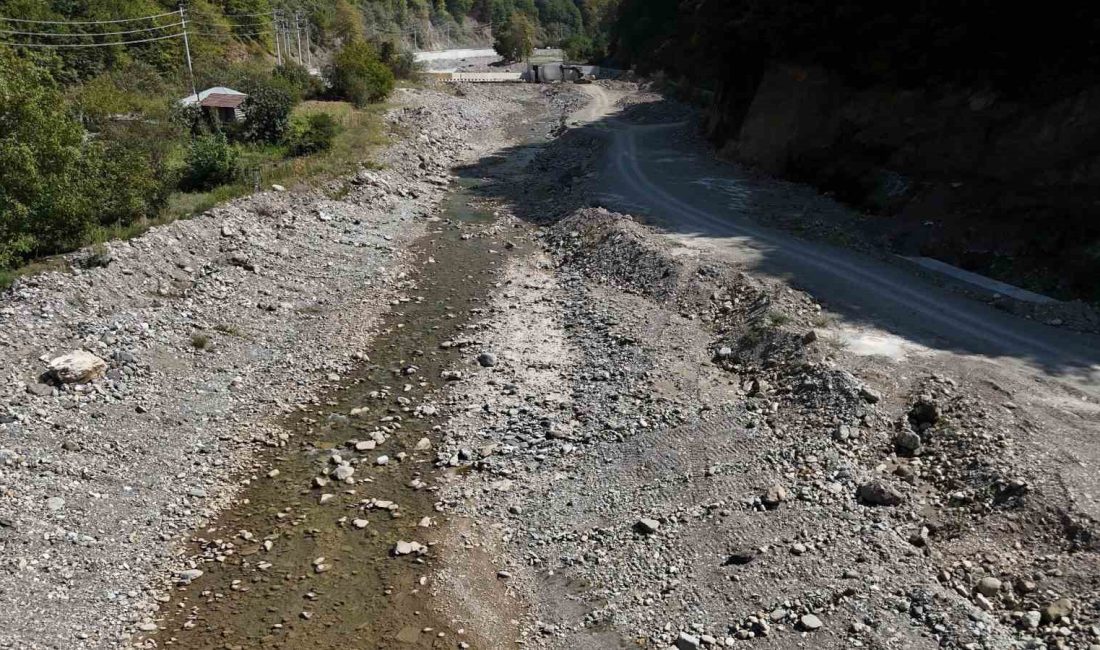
[206, 23]
[84, 22]
[85, 34]
[144, 40]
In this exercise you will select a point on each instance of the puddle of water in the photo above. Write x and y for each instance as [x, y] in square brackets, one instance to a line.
[361, 596]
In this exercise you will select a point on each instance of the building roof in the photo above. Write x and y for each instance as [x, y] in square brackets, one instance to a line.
[218, 97]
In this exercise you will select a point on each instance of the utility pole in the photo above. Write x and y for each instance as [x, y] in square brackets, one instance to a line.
[298, 33]
[278, 50]
[309, 50]
[286, 41]
[187, 50]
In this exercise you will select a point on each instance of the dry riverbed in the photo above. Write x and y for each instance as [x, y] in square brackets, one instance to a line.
[481, 414]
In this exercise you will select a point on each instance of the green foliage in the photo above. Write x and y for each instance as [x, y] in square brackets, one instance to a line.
[211, 161]
[516, 40]
[266, 114]
[56, 186]
[580, 48]
[358, 76]
[298, 81]
[311, 134]
[401, 62]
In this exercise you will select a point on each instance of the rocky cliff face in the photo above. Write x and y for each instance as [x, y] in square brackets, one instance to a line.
[1009, 188]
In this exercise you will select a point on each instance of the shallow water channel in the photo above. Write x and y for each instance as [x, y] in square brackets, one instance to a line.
[305, 573]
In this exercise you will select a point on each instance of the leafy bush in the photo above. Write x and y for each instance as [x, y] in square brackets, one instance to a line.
[211, 161]
[298, 81]
[311, 134]
[401, 62]
[358, 76]
[266, 114]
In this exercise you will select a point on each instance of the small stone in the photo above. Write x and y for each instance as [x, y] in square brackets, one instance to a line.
[325, 498]
[278, 188]
[687, 642]
[907, 442]
[1032, 619]
[924, 412]
[55, 503]
[989, 587]
[798, 549]
[40, 390]
[273, 473]
[77, 367]
[343, 472]
[407, 548]
[1057, 610]
[382, 460]
[810, 622]
[773, 496]
[870, 395]
[360, 523]
[487, 359]
[188, 576]
[423, 444]
[647, 526]
[877, 493]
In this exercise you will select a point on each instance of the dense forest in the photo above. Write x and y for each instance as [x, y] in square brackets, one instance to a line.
[977, 117]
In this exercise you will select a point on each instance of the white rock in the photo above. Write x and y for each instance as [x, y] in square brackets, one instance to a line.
[77, 367]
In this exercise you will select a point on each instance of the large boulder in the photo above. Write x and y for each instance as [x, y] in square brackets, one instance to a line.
[77, 367]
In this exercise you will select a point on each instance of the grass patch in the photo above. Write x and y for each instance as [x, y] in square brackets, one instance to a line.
[778, 318]
[200, 341]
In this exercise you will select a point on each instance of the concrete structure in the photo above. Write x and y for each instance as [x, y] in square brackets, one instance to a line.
[561, 71]
[988, 288]
[219, 102]
[486, 77]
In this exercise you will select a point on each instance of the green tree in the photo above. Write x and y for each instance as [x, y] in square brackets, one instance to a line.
[516, 40]
[211, 161]
[357, 75]
[266, 114]
[40, 152]
[311, 134]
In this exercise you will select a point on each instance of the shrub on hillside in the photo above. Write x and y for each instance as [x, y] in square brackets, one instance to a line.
[211, 161]
[311, 134]
[401, 62]
[357, 75]
[266, 114]
[298, 80]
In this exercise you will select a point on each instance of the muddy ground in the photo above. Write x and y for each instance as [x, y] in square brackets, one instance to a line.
[550, 426]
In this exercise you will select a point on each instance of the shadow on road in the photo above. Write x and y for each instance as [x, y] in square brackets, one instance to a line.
[647, 162]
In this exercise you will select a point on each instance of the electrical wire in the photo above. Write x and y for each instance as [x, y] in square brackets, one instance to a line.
[144, 40]
[85, 22]
[206, 23]
[85, 34]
